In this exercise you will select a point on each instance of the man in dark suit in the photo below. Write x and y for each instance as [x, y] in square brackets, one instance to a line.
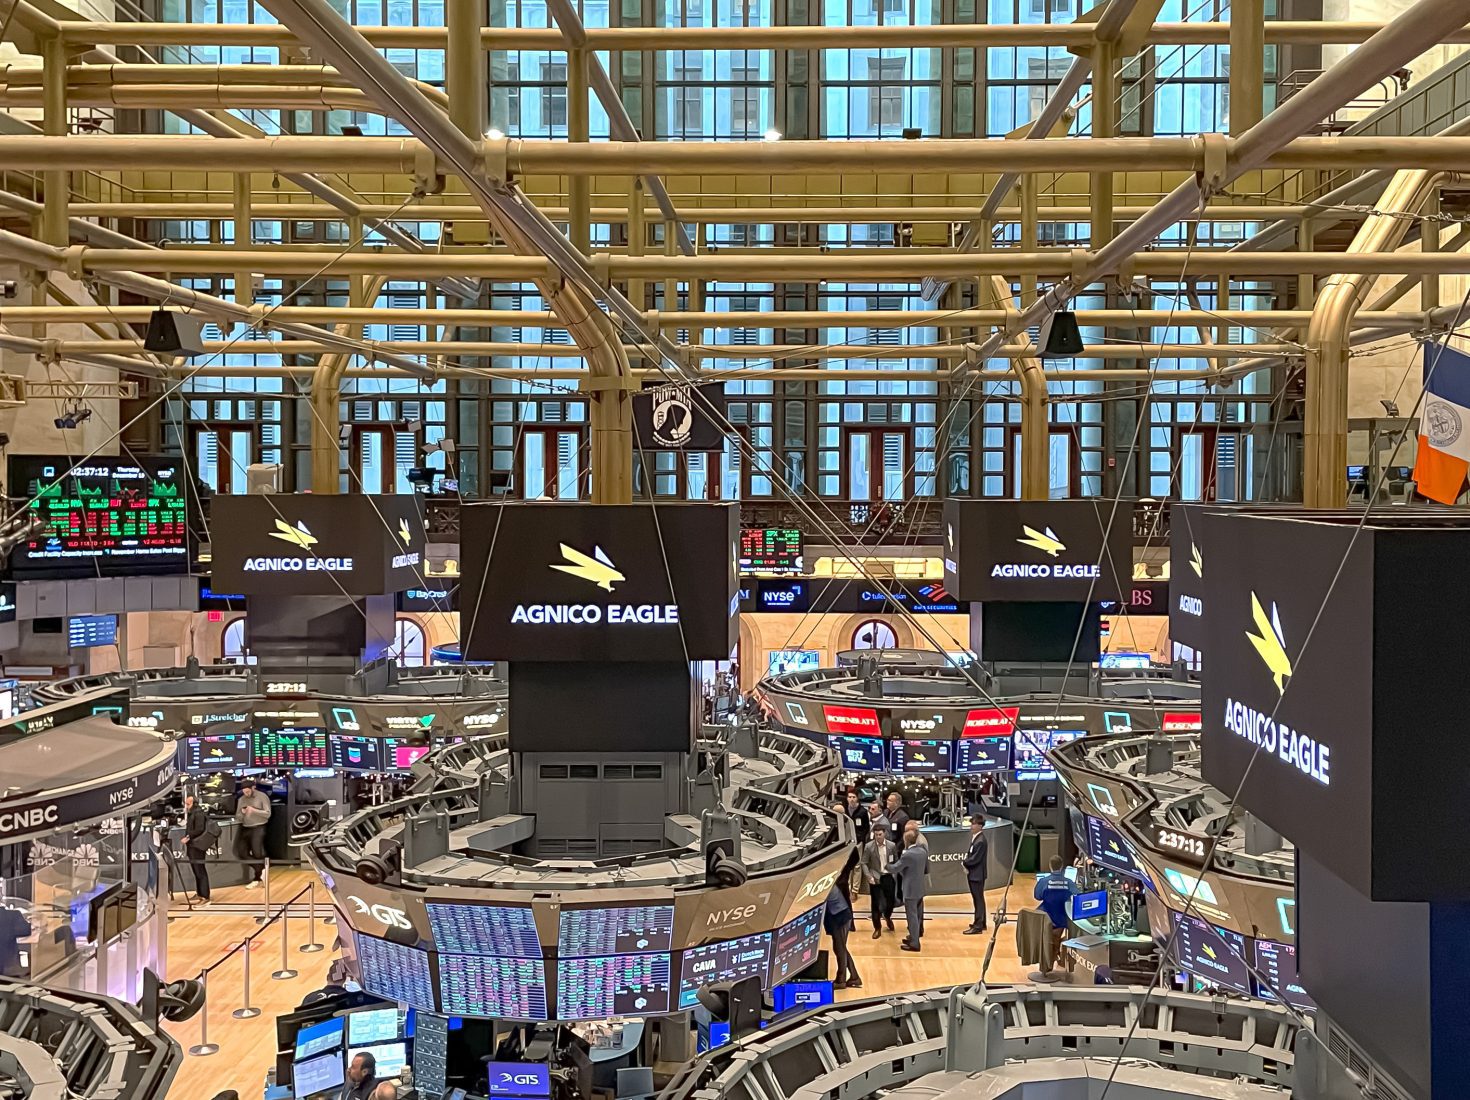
[912, 872]
[977, 862]
[196, 847]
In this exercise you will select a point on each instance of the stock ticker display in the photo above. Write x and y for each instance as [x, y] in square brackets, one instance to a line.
[722, 962]
[107, 516]
[797, 942]
[290, 748]
[616, 931]
[499, 930]
[489, 985]
[218, 754]
[770, 550]
[613, 985]
[395, 972]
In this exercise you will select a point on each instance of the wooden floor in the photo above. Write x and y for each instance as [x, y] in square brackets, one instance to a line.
[247, 1047]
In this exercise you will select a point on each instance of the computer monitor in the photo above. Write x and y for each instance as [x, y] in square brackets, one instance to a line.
[318, 1038]
[318, 1075]
[634, 1081]
[389, 1058]
[375, 1025]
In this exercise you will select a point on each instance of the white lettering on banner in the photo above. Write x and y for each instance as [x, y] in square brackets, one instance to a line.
[730, 916]
[589, 614]
[476, 721]
[1310, 757]
[818, 888]
[1181, 842]
[36, 725]
[1191, 605]
[385, 915]
[298, 565]
[37, 816]
[400, 561]
[221, 716]
[1024, 571]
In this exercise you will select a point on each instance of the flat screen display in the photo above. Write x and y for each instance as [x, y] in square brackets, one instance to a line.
[376, 1025]
[318, 1038]
[404, 756]
[920, 757]
[615, 931]
[797, 942]
[1200, 949]
[485, 930]
[317, 1075]
[90, 631]
[109, 516]
[487, 985]
[1031, 747]
[1105, 846]
[395, 972]
[599, 986]
[1276, 964]
[218, 754]
[857, 721]
[389, 1058]
[782, 596]
[1124, 660]
[722, 962]
[770, 550]
[290, 748]
[531, 1079]
[859, 754]
[982, 754]
[355, 754]
[792, 660]
[1090, 906]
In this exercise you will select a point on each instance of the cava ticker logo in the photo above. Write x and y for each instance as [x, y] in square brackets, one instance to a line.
[598, 568]
[1196, 562]
[1046, 541]
[1260, 726]
[299, 536]
[1270, 643]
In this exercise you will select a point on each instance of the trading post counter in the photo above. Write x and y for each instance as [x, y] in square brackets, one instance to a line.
[948, 845]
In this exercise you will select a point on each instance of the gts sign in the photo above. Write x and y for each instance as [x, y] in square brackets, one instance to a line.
[385, 915]
[817, 889]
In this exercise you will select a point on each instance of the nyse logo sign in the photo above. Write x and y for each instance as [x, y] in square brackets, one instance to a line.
[721, 917]
[385, 915]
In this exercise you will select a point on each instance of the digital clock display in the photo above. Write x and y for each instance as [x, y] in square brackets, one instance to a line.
[106, 516]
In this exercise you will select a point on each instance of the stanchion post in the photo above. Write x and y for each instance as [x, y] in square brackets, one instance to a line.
[265, 876]
[285, 972]
[203, 1048]
[311, 945]
[246, 1011]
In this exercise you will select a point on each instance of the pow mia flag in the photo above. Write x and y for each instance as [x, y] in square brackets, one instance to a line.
[679, 416]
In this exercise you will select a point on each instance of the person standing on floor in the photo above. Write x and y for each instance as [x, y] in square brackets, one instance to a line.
[912, 874]
[861, 822]
[878, 856]
[977, 864]
[838, 920]
[897, 816]
[197, 842]
[253, 812]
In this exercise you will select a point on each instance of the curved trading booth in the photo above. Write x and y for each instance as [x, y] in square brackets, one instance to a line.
[933, 732]
[77, 787]
[1216, 883]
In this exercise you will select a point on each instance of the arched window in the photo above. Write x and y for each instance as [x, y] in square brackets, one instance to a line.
[410, 648]
[874, 634]
[232, 644]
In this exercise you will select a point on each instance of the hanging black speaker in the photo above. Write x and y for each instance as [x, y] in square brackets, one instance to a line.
[174, 333]
[1060, 338]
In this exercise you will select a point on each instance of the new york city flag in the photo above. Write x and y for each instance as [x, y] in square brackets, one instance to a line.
[1444, 424]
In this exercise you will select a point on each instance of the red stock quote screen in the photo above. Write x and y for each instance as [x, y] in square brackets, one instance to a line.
[108, 516]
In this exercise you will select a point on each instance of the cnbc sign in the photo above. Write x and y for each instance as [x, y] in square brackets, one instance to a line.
[306, 545]
[1037, 551]
[589, 582]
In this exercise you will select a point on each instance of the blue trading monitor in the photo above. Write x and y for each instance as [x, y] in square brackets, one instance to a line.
[519, 1079]
[319, 1038]
[1090, 906]
[374, 1025]
[858, 754]
[317, 1075]
[801, 996]
[982, 754]
[389, 1058]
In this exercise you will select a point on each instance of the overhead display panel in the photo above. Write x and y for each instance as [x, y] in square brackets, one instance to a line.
[1044, 551]
[1215, 954]
[103, 517]
[299, 544]
[1187, 575]
[485, 930]
[599, 582]
[491, 985]
[722, 962]
[615, 931]
[395, 972]
[796, 945]
[600, 986]
[770, 550]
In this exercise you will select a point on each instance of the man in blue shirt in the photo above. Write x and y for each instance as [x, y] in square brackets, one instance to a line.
[1055, 892]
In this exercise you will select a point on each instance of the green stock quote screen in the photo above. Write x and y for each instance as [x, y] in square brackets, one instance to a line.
[104, 516]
